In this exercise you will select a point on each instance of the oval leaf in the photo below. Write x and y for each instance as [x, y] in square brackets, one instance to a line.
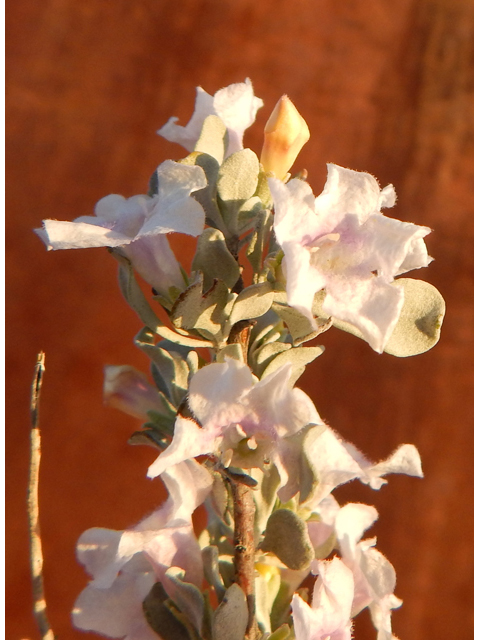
[231, 617]
[287, 537]
[418, 328]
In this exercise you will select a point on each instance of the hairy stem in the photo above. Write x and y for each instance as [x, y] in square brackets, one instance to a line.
[244, 516]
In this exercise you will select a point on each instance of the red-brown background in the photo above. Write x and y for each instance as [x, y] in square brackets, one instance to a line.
[385, 86]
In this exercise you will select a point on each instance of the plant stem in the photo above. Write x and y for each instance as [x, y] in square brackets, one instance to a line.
[36, 556]
[244, 516]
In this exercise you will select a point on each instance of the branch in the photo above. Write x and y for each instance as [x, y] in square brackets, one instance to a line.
[36, 557]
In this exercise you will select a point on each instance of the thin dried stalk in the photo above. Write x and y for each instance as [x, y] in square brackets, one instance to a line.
[36, 557]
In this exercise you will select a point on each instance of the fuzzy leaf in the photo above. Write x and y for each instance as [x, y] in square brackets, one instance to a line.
[187, 597]
[213, 138]
[136, 299]
[237, 182]
[205, 312]
[298, 357]
[170, 366]
[133, 293]
[252, 302]
[231, 617]
[298, 325]
[282, 633]
[207, 196]
[234, 351]
[266, 590]
[248, 213]
[418, 328]
[265, 354]
[214, 259]
[263, 190]
[265, 497]
[160, 617]
[211, 570]
[268, 328]
[287, 537]
[258, 241]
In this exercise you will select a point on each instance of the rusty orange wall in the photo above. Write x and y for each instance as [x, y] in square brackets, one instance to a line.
[385, 87]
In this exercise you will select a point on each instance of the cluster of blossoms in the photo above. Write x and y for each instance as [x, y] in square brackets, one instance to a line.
[231, 430]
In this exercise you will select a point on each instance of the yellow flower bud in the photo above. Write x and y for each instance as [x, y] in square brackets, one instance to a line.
[285, 134]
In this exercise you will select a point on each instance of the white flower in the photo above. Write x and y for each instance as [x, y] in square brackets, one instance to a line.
[329, 616]
[244, 421]
[235, 105]
[139, 225]
[342, 243]
[124, 565]
[374, 575]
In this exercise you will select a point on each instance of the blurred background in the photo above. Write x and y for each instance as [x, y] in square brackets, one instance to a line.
[386, 87]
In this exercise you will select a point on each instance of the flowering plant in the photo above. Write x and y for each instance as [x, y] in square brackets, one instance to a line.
[231, 430]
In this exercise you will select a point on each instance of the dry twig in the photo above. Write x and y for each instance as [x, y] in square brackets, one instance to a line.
[36, 557]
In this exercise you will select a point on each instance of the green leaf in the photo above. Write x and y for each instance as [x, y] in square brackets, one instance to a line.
[268, 328]
[259, 239]
[234, 351]
[265, 498]
[204, 312]
[133, 293]
[418, 327]
[263, 190]
[149, 437]
[211, 570]
[265, 354]
[214, 259]
[298, 357]
[213, 138]
[282, 633]
[252, 302]
[160, 617]
[237, 182]
[231, 617]
[266, 590]
[248, 214]
[187, 597]
[420, 322]
[298, 325]
[136, 299]
[170, 366]
[207, 197]
[287, 537]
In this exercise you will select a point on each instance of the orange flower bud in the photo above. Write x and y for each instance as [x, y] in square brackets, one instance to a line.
[285, 134]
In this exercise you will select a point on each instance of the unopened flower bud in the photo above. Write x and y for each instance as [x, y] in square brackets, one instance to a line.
[127, 389]
[285, 134]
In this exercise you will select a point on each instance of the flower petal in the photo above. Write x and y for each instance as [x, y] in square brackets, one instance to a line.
[187, 136]
[58, 234]
[237, 106]
[117, 611]
[216, 390]
[348, 191]
[189, 441]
[351, 523]
[152, 257]
[329, 615]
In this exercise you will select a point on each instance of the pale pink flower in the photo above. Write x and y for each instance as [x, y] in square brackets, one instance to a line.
[129, 390]
[139, 225]
[236, 105]
[124, 565]
[341, 242]
[329, 616]
[243, 421]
